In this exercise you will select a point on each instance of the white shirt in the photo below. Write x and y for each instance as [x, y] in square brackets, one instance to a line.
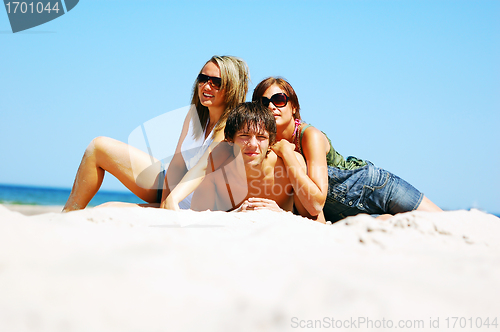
[192, 149]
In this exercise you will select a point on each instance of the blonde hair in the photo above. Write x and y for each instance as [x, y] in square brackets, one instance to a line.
[235, 76]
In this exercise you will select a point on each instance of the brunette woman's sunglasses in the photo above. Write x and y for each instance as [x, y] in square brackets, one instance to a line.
[278, 100]
[216, 82]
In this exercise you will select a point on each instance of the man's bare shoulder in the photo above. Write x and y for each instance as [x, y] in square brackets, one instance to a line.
[215, 177]
[271, 157]
[277, 162]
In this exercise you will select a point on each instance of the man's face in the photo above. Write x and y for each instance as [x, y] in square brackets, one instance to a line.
[253, 145]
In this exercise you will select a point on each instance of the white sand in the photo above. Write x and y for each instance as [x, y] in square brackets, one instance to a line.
[31, 210]
[134, 269]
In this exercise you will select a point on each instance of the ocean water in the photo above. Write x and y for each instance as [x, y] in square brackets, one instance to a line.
[17, 194]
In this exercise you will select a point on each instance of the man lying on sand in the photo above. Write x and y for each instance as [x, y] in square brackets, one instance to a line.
[246, 174]
[253, 177]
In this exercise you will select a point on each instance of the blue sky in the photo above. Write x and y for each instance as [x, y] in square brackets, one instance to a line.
[413, 86]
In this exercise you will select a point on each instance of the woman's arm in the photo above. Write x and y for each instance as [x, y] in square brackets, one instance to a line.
[192, 179]
[311, 185]
[177, 167]
[299, 206]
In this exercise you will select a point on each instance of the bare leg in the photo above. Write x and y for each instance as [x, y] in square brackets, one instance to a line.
[137, 170]
[384, 216]
[428, 205]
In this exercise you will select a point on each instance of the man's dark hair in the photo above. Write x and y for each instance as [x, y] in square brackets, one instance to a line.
[253, 116]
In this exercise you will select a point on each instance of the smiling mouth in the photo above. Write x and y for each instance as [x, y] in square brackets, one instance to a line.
[207, 95]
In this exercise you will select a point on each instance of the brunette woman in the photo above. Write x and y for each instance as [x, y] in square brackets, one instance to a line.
[333, 185]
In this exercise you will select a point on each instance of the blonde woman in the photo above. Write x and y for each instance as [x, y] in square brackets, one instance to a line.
[221, 85]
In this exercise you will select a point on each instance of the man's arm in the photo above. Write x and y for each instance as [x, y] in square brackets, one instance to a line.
[257, 203]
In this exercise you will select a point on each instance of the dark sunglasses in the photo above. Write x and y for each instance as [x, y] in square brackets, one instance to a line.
[216, 82]
[278, 100]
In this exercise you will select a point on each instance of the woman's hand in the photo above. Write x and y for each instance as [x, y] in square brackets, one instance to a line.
[255, 203]
[281, 146]
[170, 204]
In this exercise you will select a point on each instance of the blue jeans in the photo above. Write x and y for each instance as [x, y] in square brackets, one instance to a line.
[368, 189]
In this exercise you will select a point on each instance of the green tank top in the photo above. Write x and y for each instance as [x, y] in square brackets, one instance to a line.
[333, 158]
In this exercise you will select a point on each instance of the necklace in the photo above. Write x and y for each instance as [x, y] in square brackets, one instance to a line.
[210, 127]
[295, 136]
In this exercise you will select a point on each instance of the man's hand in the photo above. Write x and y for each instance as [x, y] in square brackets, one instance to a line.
[255, 203]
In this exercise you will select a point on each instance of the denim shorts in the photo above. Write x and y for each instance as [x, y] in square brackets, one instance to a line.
[368, 189]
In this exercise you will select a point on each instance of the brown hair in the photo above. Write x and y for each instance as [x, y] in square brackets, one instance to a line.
[261, 88]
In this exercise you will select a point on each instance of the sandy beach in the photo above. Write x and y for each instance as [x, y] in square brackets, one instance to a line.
[136, 269]
[31, 210]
